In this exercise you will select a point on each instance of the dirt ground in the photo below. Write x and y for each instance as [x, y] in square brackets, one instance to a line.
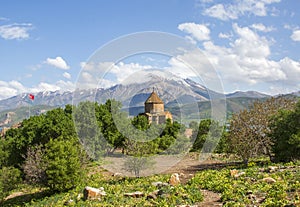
[186, 166]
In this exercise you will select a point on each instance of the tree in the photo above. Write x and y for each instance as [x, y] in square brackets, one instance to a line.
[200, 134]
[285, 133]
[63, 167]
[38, 130]
[140, 122]
[249, 128]
[34, 165]
[88, 129]
[4, 152]
[9, 178]
[107, 114]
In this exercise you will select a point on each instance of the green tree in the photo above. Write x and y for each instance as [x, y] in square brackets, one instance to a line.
[200, 134]
[10, 177]
[107, 114]
[37, 130]
[63, 167]
[285, 133]
[140, 122]
[88, 129]
[4, 152]
[249, 128]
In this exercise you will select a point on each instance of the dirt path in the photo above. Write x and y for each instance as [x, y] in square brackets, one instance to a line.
[187, 167]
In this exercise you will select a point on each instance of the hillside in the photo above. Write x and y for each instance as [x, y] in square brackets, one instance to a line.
[179, 95]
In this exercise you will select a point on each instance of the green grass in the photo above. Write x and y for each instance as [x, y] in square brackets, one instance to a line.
[248, 189]
[115, 187]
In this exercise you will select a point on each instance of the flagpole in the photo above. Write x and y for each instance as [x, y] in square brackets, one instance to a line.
[31, 97]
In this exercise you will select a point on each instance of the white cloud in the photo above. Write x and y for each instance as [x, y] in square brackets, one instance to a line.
[292, 70]
[239, 8]
[13, 88]
[224, 36]
[261, 27]
[249, 43]
[296, 35]
[67, 75]
[15, 31]
[246, 61]
[220, 12]
[107, 74]
[58, 62]
[123, 71]
[198, 31]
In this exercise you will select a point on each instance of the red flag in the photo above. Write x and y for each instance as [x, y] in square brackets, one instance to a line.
[31, 96]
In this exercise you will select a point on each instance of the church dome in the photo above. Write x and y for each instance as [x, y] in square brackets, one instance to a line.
[153, 98]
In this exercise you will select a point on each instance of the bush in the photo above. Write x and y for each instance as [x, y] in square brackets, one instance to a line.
[63, 167]
[34, 165]
[9, 178]
[286, 135]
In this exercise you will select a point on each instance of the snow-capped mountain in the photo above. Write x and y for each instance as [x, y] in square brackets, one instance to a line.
[172, 90]
[131, 94]
[249, 94]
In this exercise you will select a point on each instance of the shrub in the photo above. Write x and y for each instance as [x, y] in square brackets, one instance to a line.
[63, 167]
[34, 165]
[9, 178]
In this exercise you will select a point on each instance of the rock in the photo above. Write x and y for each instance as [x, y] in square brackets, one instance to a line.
[154, 194]
[269, 180]
[79, 196]
[117, 174]
[272, 168]
[159, 184]
[136, 194]
[249, 192]
[239, 174]
[174, 179]
[69, 202]
[233, 172]
[93, 193]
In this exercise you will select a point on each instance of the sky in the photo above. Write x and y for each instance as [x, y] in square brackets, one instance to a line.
[251, 44]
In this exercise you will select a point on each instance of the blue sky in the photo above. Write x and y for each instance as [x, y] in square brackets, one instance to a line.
[252, 44]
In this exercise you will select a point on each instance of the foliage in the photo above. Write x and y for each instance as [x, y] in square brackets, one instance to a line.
[34, 165]
[249, 128]
[107, 114]
[181, 145]
[38, 130]
[250, 189]
[9, 178]
[63, 167]
[137, 164]
[286, 135]
[206, 136]
[4, 153]
[88, 129]
[115, 188]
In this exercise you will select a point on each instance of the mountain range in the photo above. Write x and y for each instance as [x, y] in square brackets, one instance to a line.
[174, 91]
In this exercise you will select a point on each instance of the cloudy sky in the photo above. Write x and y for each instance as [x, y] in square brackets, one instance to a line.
[252, 44]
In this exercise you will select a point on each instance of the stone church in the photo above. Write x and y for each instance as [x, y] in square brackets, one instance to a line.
[155, 110]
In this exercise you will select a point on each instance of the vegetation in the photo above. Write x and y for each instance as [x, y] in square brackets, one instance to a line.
[51, 152]
[250, 189]
[250, 128]
[285, 133]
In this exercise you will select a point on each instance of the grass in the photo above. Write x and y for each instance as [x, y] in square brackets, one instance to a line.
[248, 189]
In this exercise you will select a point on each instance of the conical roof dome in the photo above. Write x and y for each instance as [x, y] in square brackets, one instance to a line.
[153, 98]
